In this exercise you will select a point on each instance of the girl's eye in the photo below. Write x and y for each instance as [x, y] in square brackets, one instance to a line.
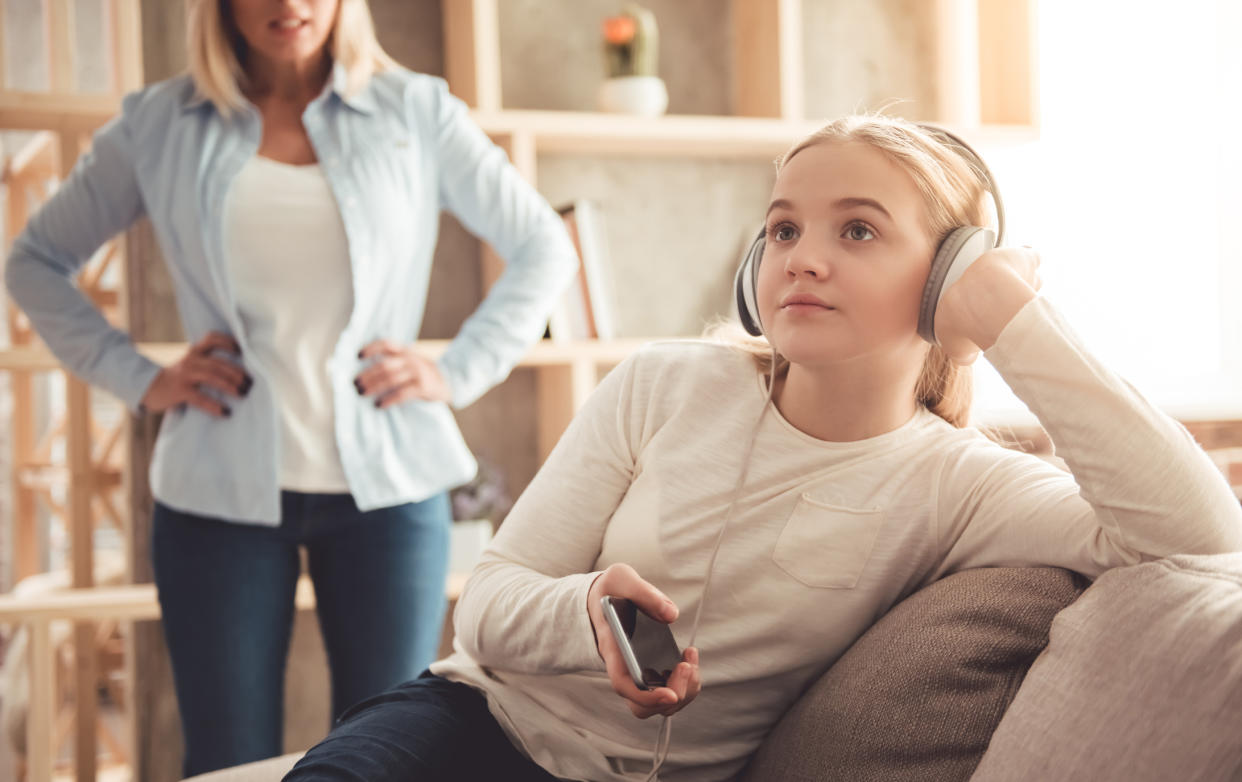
[782, 233]
[859, 232]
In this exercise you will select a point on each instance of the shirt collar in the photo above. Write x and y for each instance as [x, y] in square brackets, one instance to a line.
[363, 100]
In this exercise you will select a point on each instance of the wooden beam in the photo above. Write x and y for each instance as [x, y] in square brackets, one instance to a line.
[680, 135]
[1008, 67]
[81, 542]
[52, 111]
[561, 391]
[125, 28]
[26, 549]
[40, 752]
[767, 56]
[61, 45]
[957, 62]
[27, 561]
[472, 51]
[4, 21]
[45, 475]
[34, 161]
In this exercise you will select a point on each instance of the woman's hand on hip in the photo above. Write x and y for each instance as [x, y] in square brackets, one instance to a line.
[399, 374]
[975, 309]
[621, 580]
[183, 383]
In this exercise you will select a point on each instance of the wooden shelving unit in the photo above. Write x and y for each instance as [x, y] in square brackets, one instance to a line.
[986, 78]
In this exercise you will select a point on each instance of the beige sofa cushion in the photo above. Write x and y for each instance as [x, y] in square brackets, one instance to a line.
[1142, 680]
[918, 695]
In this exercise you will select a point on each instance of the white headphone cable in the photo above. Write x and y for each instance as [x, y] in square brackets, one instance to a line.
[663, 739]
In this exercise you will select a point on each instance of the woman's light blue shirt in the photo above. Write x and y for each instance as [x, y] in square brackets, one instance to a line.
[395, 153]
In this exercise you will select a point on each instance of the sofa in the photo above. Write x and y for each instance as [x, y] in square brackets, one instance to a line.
[1017, 675]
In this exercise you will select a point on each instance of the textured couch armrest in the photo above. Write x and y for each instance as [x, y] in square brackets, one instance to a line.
[918, 695]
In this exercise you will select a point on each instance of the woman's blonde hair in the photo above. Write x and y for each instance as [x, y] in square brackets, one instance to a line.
[217, 50]
[954, 194]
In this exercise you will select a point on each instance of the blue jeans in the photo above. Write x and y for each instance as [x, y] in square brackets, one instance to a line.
[226, 592]
[427, 730]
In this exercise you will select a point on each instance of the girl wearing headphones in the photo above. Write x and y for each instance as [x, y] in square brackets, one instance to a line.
[772, 498]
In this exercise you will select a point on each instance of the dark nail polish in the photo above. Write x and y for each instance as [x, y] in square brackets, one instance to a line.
[377, 404]
[360, 354]
[228, 411]
[246, 386]
[358, 385]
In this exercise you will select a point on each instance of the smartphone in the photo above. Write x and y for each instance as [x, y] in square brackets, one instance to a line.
[647, 646]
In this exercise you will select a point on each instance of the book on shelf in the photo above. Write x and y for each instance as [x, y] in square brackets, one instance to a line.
[585, 310]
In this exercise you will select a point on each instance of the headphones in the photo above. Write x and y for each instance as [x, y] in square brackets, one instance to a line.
[961, 247]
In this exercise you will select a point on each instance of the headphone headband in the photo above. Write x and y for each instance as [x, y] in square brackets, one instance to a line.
[968, 153]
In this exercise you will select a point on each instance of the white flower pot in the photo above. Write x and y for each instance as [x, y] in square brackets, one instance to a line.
[642, 95]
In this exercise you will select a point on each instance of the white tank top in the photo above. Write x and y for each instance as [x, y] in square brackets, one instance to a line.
[288, 260]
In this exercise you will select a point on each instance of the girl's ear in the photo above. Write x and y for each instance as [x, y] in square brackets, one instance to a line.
[962, 247]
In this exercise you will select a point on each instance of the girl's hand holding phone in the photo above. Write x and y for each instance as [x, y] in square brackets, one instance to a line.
[975, 309]
[621, 580]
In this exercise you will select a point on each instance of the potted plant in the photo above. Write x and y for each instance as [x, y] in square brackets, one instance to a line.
[631, 51]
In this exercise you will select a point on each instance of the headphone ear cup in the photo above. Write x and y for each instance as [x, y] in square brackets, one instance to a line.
[746, 287]
[956, 253]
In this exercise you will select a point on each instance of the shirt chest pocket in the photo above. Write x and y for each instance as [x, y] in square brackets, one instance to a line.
[827, 546]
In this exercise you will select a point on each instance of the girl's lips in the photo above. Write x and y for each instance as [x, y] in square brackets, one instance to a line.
[804, 300]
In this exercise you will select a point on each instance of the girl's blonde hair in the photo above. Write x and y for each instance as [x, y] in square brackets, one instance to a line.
[217, 50]
[954, 194]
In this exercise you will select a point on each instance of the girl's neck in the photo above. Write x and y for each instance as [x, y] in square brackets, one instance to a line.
[850, 401]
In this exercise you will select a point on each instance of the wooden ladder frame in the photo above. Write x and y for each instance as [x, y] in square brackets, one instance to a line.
[65, 118]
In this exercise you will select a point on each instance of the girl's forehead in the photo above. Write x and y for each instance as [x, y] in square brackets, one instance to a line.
[832, 170]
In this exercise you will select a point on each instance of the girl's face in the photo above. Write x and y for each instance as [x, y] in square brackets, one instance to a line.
[285, 31]
[846, 257]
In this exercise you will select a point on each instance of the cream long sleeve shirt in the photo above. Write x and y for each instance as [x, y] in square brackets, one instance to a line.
[826, 537]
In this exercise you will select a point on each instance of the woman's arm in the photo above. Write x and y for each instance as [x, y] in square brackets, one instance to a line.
[491, 198]
[1141, 487]
[98, 200]
[524, 607]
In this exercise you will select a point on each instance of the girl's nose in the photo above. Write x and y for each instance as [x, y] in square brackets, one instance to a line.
[808, 259]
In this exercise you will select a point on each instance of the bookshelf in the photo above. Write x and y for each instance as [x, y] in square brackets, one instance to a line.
[985, 85]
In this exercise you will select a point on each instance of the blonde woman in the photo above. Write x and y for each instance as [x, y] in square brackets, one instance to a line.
[295, 178]
[791, 490]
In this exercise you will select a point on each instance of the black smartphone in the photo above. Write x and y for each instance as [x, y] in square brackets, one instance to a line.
[647, 645]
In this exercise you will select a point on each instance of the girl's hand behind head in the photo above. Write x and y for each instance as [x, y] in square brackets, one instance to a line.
[975, 310]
